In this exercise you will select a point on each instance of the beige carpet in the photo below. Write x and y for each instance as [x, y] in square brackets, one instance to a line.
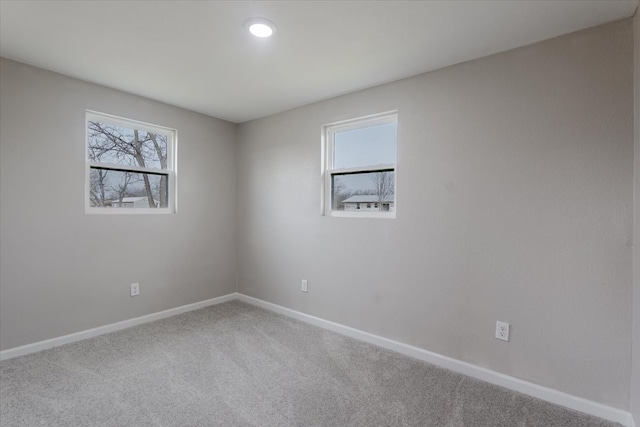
[238, 365]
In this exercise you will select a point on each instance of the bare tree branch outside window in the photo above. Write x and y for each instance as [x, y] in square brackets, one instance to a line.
[115, 145]
[384, 185]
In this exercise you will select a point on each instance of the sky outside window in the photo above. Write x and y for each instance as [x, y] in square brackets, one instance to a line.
[368, 146]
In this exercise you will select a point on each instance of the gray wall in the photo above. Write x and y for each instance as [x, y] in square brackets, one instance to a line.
[63, 271]
[635, 379]
[515, 203]
[515, 178]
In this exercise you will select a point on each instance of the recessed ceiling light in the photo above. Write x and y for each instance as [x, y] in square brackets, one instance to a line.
[260, 27]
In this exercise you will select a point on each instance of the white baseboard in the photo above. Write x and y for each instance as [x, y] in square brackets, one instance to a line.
[90, 333]
[512, 383]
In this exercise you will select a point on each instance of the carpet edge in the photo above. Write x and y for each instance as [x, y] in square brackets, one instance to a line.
[112, 327]
[531, 389]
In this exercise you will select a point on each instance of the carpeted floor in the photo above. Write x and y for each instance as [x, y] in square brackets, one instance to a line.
[238, 365]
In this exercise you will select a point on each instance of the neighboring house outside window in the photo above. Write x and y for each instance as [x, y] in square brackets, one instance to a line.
[368, 203]
[131, 202]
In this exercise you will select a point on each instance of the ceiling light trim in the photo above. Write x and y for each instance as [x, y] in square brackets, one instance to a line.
[260, 27]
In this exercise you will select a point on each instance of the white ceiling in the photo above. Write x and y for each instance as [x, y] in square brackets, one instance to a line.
[197, 54]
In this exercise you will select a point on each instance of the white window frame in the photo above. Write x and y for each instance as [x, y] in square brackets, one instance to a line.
[328, 157]
[170, 172]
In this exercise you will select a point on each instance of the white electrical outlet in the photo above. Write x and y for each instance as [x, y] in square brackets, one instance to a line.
[502, 331]
[135, 289]
[304, 286]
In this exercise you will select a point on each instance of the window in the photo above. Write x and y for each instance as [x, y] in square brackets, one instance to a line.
[360, 167]
[130, 166]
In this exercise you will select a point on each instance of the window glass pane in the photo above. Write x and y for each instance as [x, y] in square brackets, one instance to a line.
[123, 189]
[365, 191]
[126, 146]
[368, 146]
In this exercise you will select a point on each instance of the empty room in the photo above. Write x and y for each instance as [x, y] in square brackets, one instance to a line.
[320, 213]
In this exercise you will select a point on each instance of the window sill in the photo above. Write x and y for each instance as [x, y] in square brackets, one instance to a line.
[378, 215]
[128, 211]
